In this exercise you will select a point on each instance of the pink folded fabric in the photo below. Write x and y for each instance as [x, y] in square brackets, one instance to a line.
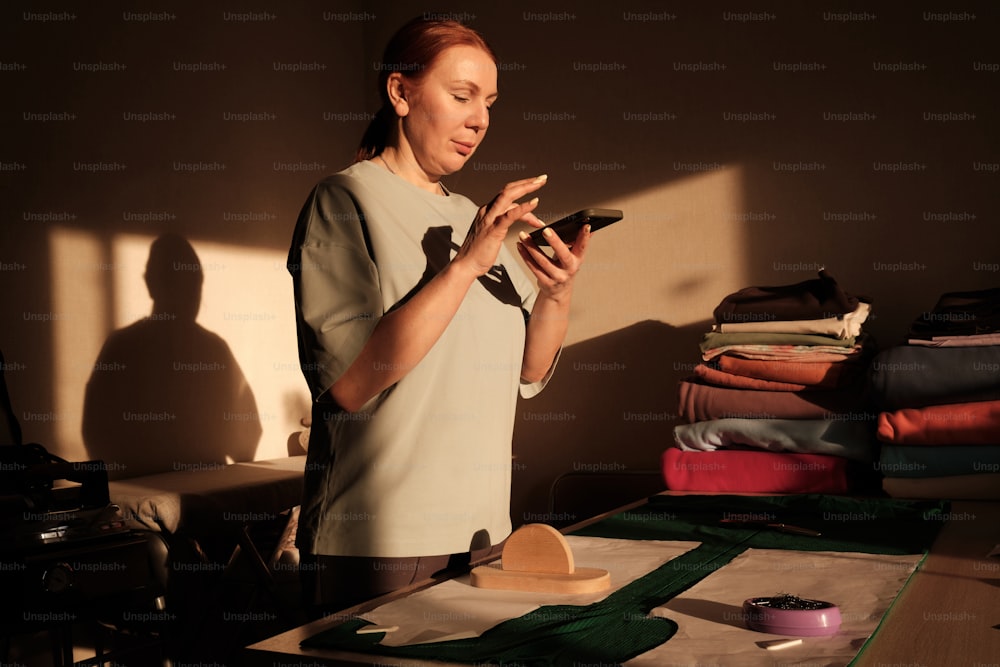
[974, 340]
[754, 472]
[701, 402]
[947, 424]
[805, 353]
[819, 374]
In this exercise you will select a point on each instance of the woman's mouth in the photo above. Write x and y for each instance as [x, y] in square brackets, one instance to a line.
[465, 148]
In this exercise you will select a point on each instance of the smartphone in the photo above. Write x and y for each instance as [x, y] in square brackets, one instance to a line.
[567, 228]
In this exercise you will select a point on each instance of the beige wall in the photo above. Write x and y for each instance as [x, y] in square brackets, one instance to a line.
[744, 148]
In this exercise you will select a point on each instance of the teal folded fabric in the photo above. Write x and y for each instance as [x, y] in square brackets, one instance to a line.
[617, 628]
[937, 461]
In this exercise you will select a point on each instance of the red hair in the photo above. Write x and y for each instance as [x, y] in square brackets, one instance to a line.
[411, 52]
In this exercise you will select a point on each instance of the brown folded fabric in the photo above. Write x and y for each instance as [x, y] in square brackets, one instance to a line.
[819, 374]
[701, 402]
[721, 378]
[810, 299]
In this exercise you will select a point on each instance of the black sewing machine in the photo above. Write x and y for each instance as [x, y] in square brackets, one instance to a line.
[45, 500]
[61, 541]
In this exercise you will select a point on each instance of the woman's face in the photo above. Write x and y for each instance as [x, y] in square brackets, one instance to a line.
[448, 110]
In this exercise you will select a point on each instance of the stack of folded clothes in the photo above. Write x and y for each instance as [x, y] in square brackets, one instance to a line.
[775, 405]
[939, 402]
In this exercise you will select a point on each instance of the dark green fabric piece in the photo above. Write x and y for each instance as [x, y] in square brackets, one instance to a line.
[610, 631]
[617, 628]
[865, 525]
[562, 636]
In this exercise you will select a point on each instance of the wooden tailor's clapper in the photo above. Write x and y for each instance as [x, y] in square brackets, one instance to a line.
[536, 557]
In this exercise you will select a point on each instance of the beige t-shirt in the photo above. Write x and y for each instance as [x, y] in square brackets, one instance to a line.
[424, 466]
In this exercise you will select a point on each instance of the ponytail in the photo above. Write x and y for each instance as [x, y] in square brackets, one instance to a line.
[376, 136]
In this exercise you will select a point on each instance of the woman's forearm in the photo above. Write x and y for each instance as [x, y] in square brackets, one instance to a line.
[546, 332]
[403, 337]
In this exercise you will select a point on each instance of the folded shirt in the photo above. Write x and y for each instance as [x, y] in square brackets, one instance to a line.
[837, 326]
[960, 313]
[754, 472]
[817, 298]
[909, 376]
[850, 439]
[976, 423]
[923, 461]
[701, 402]
[817, 374]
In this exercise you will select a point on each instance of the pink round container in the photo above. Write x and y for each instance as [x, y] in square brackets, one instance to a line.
[821, 621]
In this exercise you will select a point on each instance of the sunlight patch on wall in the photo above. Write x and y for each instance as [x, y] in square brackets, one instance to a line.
[98, 287]
[247, 301]
[678, 251]
[80, 269]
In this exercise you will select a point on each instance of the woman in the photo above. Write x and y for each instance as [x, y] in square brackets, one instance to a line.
[414, 331]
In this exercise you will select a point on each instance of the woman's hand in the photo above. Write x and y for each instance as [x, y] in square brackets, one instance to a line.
[555, 272]
[482, 244]
[549, 319]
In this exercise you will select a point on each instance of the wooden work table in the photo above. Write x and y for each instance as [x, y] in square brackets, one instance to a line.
[948, 613]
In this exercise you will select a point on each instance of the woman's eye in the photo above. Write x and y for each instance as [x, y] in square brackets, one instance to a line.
[460, 98]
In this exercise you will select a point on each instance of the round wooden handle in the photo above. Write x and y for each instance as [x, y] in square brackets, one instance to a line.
[537, 547]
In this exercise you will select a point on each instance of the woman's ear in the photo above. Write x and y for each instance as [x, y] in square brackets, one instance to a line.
[396, 88]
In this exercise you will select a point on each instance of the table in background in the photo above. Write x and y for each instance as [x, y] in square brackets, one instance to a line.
[218, 533]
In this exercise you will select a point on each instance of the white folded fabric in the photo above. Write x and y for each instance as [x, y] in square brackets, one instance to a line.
[848, 438]
[845, 326]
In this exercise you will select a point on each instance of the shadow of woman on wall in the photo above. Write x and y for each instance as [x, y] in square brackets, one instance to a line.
[166, 394]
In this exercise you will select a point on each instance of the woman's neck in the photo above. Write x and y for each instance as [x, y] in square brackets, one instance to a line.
[405, 166]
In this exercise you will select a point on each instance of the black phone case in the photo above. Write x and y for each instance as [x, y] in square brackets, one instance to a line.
[567, 228]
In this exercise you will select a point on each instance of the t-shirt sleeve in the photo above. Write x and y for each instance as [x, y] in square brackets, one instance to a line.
[337, 293]
[532, 389]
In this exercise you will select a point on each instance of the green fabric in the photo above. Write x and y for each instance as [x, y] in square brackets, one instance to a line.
[874, 525]
[713, 340]
[617, 628]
